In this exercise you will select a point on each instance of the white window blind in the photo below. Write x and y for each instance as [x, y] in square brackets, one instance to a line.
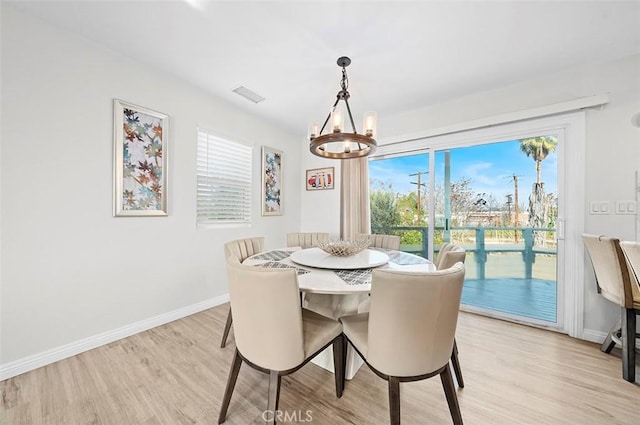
[224, 180]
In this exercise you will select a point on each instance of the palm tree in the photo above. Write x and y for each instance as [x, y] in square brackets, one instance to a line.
[538, 148]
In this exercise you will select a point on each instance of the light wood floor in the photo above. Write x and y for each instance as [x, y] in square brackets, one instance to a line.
[175, 374]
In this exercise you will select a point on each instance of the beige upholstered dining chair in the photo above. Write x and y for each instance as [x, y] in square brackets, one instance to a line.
[306, 240]
[383, 241]
[274, 335]
[448, 256]
[618, 284]
[446, 246]
[240, 249]
[379, 241]
[408, 334]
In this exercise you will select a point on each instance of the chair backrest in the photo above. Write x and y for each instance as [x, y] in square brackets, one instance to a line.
[631, 252]
[443, 249]
[305, 240]
[244, 248]
[267, 317]
[451, 255]
[413, 318]
[383, 241]
[609, 266]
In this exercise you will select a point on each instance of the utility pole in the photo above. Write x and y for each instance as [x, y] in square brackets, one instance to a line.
[419, 184]
[509, 202]
[516, 207]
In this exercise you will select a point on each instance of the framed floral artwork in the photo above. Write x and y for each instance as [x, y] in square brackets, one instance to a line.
[271, 181]
[140, 161]
[320, 179]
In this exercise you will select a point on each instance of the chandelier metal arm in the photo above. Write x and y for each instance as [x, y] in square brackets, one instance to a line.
[353, 126]
[329, 116]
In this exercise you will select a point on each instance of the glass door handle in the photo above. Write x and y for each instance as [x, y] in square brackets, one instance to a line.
[560, 229]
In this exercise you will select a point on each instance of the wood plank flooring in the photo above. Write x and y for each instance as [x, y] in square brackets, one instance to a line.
[175, 374]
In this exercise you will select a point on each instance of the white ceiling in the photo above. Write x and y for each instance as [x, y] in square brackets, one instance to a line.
[405, 54]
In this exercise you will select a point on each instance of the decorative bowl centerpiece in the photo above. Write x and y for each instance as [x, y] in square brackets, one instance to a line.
[342, 248]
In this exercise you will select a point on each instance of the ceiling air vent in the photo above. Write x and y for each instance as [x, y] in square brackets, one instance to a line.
[248, 94]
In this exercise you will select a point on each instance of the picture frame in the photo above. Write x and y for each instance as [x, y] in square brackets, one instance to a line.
[272, 179]
[320, 178]
[140, 160]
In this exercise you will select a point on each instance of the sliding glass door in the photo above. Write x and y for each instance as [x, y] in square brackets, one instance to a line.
[499, 201]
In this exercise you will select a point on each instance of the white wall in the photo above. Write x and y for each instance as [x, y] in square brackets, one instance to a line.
[69, 269]
[320, 210]
[612, 147]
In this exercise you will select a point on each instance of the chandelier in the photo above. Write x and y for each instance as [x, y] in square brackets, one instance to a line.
[337, 143]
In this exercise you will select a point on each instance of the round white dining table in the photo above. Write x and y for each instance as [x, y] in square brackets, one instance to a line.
[323, 273]
[338, 286]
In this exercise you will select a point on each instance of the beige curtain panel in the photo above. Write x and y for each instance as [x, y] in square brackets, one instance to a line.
[354, 198]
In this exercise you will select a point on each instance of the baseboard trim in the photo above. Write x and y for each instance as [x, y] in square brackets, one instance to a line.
[20, 366]
[593, 335]
[599, 336]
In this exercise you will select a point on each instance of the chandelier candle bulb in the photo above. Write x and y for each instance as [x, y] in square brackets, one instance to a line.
[313, 130]
[337, 120]
[370, 119]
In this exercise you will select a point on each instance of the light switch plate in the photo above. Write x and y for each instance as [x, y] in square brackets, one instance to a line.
[599, 207]
[626, 207]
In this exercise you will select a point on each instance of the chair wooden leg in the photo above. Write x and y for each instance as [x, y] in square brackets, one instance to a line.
[450, 393]
[345, 345]
[227, 328]
[456, 365]
[629, 344]
[339, 363]
[394, 400]
[273, 397]
[609, 343]
[231, 383]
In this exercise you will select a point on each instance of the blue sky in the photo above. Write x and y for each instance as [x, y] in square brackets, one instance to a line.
[489, 167]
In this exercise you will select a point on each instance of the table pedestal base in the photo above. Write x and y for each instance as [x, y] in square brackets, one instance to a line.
[336, 306]
[325, 361]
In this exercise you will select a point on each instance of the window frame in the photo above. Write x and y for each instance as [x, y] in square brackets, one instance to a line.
[235, 177]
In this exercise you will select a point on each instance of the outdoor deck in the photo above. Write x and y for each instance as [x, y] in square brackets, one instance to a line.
[533, 298]
[517, 278]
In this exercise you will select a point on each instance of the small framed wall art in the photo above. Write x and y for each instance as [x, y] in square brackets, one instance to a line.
[320, 179]
[140, 161]
[271, 181]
